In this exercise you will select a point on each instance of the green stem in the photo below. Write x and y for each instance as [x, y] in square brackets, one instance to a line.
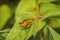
[42, 34]
[38, 11]
[37, 7]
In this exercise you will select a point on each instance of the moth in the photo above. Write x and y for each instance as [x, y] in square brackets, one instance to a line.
[25, 23]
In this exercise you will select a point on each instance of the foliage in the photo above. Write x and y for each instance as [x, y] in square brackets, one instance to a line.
[39, 29]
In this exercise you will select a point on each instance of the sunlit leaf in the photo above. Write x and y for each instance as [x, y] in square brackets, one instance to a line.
[17, 31]
[5, 14]
[26, 6]
[55, 35]
[54, 22]
[38, 25]
[4, 33]
[47, 33]
[49, 10]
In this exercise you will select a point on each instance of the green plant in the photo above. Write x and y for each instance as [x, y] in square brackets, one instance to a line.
[45, 15]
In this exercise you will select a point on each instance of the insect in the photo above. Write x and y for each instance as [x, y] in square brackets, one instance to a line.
[25, 23]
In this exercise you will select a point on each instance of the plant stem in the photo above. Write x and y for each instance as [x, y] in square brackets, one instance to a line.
[37, 7]
[38, 11]
[42, 34]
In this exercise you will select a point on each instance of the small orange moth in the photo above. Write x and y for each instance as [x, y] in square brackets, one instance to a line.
[25, 23]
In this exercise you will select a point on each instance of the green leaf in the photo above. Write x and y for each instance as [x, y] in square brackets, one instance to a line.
[17, 33]
[5, 14]
[55, 35]
[46, 0]
[47, 33]
[37, 36]
[54, 22]
[27, 15]
[24, 6]
[49, 10]
[50, 34]
[4, 33]
[52, 12]
[38, 25]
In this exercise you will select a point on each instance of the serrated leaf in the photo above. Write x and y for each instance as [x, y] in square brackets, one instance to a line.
[52, 12]
[55, 35]
[26, 6]
[49, 10]
[24, 34]
[50, 34]
[47, 33]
